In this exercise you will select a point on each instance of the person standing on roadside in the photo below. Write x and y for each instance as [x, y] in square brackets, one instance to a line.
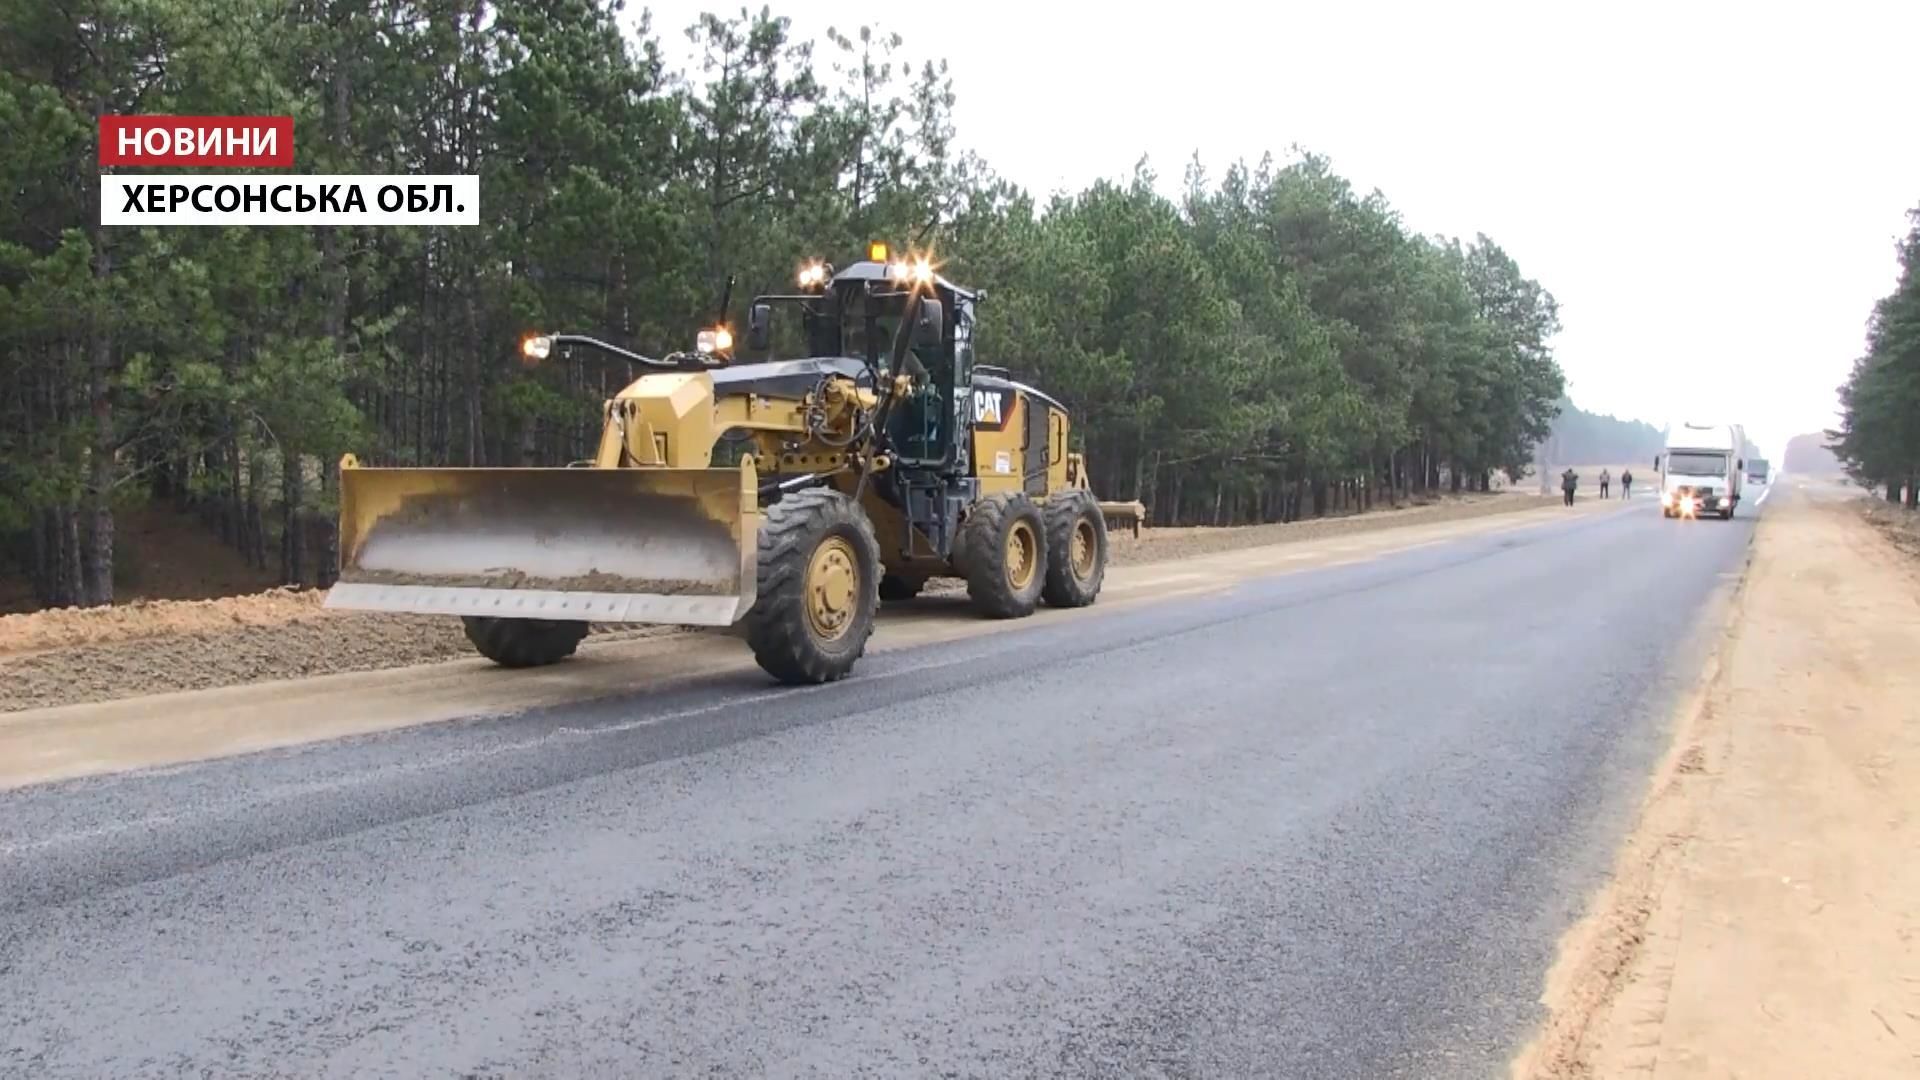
[1606, 480]
[1626, 484]
[1568, 481]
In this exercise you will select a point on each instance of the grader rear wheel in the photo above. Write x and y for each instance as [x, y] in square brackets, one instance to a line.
[1077, 550]
[1004, 549]
[818, 588]
[518, 643]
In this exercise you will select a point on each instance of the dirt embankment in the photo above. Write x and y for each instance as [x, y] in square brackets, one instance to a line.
[1764, 917]
[70, 656]
[1162, 545]
[1898, 524]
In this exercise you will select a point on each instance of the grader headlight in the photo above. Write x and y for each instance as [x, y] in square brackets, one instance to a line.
[712, 342]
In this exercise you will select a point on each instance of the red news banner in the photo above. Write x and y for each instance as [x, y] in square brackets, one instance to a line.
[256, 142]
[198, 142]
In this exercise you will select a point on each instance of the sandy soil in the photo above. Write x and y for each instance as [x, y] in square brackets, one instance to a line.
[69, 656]
[1163, 544]
[1764, 918]
[73, 655]
[1898, 524]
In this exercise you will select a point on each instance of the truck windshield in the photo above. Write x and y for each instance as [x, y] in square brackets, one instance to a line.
[1693, 463]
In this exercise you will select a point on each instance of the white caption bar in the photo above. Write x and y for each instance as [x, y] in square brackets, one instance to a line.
[266, 199]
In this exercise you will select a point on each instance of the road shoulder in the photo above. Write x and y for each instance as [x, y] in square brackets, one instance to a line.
[1762, 917]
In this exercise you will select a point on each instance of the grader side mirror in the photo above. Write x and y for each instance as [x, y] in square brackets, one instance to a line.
[759, 327]
[930, 325]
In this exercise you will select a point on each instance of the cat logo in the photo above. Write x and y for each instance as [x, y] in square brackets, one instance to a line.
[986, 408]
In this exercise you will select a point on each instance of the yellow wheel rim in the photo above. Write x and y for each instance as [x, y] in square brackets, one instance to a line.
[833, 594]
[1023, 555]
[1085, 545]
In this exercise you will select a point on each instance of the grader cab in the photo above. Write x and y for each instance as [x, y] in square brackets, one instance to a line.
[785, 497]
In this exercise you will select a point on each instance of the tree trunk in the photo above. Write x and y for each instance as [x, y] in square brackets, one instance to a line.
[293, 556]
[256, 526]
[236, 513]
[1913, 493]
[329, 557]
[476, 432]
[58, 537]
[42, 560]
[72, 578]
[100, 464]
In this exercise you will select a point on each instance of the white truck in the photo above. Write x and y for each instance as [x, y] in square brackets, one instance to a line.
[1702, 469]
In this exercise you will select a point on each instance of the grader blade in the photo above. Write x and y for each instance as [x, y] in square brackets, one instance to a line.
[647, 545]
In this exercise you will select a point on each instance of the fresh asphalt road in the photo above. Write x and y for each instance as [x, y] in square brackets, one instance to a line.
[1326, 824]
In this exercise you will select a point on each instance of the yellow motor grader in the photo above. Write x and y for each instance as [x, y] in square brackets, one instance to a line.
[785, 498]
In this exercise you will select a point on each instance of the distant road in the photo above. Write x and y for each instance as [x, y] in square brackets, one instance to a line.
[1327, 824]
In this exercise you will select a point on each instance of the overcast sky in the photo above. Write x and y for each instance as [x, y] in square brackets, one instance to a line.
[1711, 191]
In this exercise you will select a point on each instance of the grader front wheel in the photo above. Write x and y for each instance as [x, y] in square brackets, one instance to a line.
[518, 643]
[819, 569]
[1004, 545]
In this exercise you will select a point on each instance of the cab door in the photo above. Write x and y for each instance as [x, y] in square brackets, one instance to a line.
[1036, 447]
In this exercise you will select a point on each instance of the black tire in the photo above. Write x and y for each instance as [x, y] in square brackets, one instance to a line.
[794, 638]
[520, 643]
[894, 588]
[1000, 586]
[1076, 550]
